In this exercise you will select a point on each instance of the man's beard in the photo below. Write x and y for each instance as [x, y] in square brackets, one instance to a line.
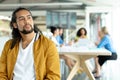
[27, 31]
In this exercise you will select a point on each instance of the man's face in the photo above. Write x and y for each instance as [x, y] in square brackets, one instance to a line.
[57, 31]
[60, 31]
[24, 22]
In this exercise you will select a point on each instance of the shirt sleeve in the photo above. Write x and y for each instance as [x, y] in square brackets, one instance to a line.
[52, 63]
[103, 42]
[61, 41]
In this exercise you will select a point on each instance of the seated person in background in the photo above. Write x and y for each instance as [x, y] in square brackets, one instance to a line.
[55, 32]
[81, 33]
[106, 43]
[69, 62]
[60, 36]
[81, 39]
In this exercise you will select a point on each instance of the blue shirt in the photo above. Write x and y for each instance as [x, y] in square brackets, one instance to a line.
[59, 39]
[106, 42]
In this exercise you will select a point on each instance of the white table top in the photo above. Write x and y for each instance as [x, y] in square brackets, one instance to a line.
[83, 51]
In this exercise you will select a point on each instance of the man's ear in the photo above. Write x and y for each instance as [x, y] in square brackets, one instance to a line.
[14, 25]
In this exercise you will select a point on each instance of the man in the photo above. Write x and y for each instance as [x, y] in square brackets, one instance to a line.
[29, 55]
[60, 36]
[55, 31]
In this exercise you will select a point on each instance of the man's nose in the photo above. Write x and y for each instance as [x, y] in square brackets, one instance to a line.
[26, 20]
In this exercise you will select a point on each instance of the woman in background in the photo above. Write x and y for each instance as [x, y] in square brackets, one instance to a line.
[81, 33]
[105, 42]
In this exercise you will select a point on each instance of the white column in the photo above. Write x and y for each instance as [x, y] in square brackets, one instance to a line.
[67, 36]
[116, 27]
[87, 20]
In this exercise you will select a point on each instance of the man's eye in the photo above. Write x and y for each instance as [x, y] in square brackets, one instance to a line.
[21, 19]
[29, 17]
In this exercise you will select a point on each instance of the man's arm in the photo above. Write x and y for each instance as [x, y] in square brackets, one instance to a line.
[52, 63]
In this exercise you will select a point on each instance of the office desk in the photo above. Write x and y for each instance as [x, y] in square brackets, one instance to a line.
[80, 55]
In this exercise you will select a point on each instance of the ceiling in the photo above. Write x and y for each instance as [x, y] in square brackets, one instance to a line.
[37, 5]
[8, 5]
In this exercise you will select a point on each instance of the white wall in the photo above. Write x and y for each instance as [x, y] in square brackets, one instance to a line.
[116, 27]
[3, 39]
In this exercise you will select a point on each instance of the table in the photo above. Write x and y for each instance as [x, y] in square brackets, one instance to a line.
[80, 55]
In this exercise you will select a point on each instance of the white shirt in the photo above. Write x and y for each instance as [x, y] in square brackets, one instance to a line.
[55, 41]
[24, 67]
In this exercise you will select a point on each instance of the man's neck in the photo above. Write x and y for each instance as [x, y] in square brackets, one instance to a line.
[28, 37]
[54, 35]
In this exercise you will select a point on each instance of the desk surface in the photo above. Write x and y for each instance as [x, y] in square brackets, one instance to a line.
[83, 51]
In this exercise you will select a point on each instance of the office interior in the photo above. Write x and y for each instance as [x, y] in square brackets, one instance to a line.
[90, 14]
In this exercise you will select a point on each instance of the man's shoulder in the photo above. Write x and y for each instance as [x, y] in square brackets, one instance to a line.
[9, 41]
[43, 38]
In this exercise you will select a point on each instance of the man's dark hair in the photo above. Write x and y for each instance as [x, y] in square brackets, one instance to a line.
[53, 29]
[15, 32]
[59, 27]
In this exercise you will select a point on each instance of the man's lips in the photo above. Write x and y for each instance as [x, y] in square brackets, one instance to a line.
[27, 26]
